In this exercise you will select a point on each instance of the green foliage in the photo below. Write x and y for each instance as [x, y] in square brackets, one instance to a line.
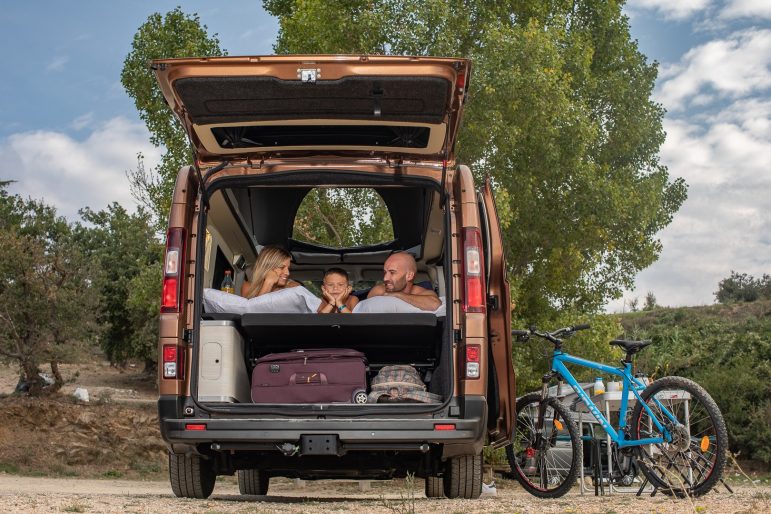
[175, 34]
[343, 217]
[45, 288]
[650, 302]
[531, 358]
[726, 349]
[560, 116]
[740, 287]
[127, 275]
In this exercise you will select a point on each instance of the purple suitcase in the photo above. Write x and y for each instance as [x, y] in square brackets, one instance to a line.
[310, 376]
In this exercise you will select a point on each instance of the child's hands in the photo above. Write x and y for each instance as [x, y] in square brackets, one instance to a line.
[343, 297]
[327, 295]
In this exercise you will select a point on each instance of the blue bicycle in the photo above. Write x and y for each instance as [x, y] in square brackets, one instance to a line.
[675, 434]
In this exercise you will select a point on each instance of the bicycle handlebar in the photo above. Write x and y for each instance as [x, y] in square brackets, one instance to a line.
[524, 335]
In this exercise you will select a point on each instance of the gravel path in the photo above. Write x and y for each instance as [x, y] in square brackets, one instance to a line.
[33, 494]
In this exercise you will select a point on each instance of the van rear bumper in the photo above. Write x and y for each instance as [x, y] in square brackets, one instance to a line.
[353, 434]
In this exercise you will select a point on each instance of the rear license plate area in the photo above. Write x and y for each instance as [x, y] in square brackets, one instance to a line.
[319, 444]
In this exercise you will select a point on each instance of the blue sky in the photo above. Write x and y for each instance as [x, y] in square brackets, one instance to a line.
[68, 131]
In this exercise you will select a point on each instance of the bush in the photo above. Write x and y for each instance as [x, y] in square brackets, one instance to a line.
[725, 349]
[740, 287]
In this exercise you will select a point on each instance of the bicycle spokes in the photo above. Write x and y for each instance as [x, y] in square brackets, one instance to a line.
[692, 456]
[545, 460]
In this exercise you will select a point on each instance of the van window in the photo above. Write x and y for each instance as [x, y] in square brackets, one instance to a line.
[340, 217]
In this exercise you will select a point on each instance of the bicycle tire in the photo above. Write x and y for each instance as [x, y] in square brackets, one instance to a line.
[546, 466]
[694, 461]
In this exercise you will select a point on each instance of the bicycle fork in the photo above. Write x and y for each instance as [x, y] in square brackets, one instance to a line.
[541, 443]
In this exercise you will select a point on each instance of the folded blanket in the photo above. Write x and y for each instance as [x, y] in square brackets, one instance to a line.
[392, 304]
[288, 300]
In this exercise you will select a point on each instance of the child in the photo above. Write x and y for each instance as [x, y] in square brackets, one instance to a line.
[337, 293]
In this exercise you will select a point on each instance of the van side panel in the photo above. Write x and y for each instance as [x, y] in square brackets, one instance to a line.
[172, 325]
[474, 324]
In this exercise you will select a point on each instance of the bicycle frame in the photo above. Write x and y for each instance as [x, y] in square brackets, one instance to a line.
[630, 383]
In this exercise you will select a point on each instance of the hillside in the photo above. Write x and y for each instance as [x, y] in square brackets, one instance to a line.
[727, 349]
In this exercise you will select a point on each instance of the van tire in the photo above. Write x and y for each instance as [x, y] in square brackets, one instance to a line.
[434, 487]
[463, 477]
[191, 476]
[253, 481]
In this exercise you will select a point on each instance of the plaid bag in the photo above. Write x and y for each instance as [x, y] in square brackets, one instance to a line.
[400, 383]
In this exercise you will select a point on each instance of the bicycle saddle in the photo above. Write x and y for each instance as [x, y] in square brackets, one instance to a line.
[631, 347]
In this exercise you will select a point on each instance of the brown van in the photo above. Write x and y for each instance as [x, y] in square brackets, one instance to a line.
[267, 132]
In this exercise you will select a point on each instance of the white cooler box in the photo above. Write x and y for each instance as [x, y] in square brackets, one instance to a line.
[222, 375]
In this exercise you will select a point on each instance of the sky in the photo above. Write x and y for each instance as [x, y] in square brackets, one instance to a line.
[69, 132]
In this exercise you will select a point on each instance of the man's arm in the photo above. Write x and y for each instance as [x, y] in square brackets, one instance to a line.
[377, 290]
[423, 299]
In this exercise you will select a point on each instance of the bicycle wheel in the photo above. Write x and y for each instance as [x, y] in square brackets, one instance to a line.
[545, 462]
[694, 460]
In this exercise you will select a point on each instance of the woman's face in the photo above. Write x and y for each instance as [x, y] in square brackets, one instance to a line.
[335, 283]
[283, 273]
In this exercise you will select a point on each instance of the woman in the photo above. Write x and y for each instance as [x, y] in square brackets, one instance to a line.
[270, 273]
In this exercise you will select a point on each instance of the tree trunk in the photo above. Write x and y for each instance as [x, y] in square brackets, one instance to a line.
[58, 380]
[32, 377]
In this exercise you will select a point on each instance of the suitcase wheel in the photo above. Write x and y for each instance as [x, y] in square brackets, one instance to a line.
[359, 396]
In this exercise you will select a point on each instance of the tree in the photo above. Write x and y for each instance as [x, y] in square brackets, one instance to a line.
[343, 217]
[560, 116]
[741, 287]
[124, 253]
[174, 35]
[650, 301]
[45, 289]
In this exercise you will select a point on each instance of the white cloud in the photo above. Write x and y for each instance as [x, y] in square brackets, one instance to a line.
[671, 9]
[71, 174]
[747, 9]
[733, 67]
[57, 63]
[725, 223]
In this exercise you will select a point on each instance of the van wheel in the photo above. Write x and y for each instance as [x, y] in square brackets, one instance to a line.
[191, 476]
[463, 477]
[434, 487]
[253, 481]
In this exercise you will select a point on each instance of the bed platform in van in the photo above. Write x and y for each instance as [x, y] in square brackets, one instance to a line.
[383, 337]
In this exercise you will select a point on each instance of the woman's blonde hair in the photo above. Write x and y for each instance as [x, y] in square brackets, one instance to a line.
[271, 257]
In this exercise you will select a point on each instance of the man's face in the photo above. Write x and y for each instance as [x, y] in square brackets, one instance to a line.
[396, 274]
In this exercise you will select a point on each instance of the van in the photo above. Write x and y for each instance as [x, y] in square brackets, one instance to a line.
[268, 133]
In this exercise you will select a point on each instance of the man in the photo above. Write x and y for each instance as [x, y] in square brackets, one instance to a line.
[398, 273]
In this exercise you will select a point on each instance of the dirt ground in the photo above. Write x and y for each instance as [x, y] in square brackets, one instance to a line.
[62, 455]
[24, 494]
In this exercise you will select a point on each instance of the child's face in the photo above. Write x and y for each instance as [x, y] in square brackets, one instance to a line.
[335, 283]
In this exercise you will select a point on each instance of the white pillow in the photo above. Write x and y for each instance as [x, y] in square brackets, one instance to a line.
[380, 304]
[288, 300]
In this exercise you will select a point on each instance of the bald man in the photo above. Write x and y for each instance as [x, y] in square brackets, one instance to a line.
[398, 273]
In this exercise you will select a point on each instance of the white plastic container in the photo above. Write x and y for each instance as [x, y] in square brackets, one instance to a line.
[222, 375]
[599, 387]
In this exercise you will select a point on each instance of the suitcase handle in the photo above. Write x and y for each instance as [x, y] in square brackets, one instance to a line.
[314, 378]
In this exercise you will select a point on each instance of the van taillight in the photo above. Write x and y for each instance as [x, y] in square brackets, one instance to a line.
[472, 360]
[172, 268]
[173, 363]
[473, 271]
